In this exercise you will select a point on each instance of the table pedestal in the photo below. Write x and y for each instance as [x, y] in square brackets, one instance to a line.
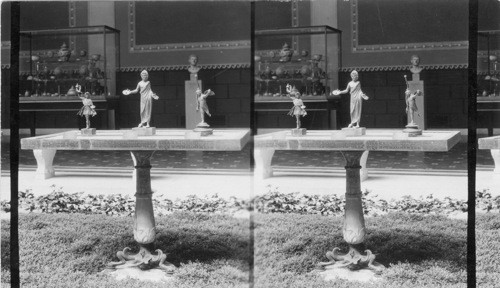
[144, 222]
[44, 159]
[354, 230]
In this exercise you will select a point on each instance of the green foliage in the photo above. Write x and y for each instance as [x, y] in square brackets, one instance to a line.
[271, 202]
[487, 203]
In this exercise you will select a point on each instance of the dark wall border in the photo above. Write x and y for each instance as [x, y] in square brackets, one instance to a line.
[135, 48]
[417, 46]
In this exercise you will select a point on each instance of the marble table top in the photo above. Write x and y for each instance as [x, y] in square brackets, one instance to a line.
[489, 142]
[374, 140]
[165, 139]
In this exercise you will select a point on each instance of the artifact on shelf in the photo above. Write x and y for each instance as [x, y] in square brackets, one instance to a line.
[285, 53]
[298, 110]
[64, 53]
[147, 96]
[72, 91]
[357, 96]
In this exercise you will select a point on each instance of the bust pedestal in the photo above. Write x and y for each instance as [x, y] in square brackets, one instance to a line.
[414, 85]
[192, 116]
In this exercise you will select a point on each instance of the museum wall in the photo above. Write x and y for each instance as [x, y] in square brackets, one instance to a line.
[150, 41]
[158, 37]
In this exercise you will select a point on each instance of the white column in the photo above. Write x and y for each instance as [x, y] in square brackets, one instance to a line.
[362, 162]
[495, 153]
[263, 158]
[44, 159]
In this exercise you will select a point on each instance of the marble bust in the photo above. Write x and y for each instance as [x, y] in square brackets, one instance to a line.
[193, 67]
[415, 65]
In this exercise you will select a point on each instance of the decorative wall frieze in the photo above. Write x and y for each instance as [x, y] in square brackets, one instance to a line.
[183, 67]
[404, 67]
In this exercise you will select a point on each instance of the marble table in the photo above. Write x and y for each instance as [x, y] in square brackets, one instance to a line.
[492, 143]
[352, 149]
[141, 149]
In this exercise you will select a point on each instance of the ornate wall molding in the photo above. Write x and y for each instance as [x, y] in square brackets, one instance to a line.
[135, 48]
[183, 67]
[357, 48]
[404, 67]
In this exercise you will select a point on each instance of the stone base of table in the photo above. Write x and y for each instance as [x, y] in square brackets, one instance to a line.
[354, 131]
[131, 271]
[353, 260]
[339, 271]
[145, 131]
[299, 132]
[203, 131]
[88, 132]
[143, 260]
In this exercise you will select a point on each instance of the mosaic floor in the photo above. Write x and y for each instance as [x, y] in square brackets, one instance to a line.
[455, 159]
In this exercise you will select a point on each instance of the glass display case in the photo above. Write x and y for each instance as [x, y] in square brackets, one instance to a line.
[488, 63]
[488, 80]
[308, 58]
[53, 62]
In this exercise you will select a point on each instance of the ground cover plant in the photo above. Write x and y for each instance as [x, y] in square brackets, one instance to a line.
[272, 202]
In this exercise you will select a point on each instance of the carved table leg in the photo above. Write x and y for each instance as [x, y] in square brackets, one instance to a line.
[144, 222]
[495, 153]
[44, 159]
[354, 222]
[263, 158]
[364, 170]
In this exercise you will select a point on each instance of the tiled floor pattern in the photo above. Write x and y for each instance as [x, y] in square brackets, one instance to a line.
[455, 159]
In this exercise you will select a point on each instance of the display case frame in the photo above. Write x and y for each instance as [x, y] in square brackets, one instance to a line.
[271, 107]
[304, 62]
[90, 57]
[488, 80]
